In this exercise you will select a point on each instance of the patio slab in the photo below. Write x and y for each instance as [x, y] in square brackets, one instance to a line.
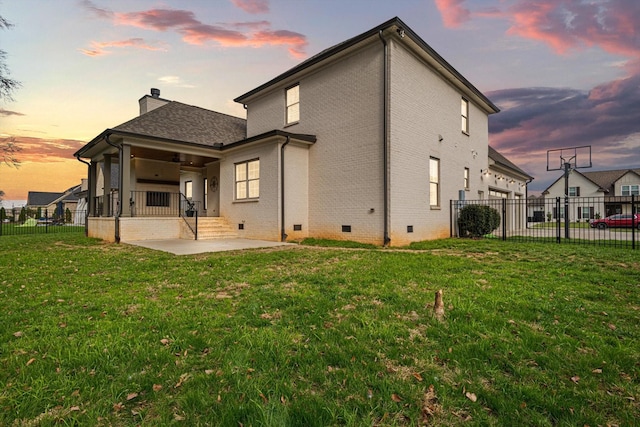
[190, 247]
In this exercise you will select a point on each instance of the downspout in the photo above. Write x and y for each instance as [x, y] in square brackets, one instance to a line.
[283, 236]
[89, 184]
[116, 215]
[385, 138]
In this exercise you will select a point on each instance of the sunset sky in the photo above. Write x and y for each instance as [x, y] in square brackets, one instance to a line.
[564, 72]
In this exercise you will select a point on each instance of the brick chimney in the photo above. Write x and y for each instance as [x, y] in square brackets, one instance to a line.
[151, 102]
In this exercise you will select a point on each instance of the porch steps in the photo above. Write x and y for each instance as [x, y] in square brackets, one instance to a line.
[210, 228]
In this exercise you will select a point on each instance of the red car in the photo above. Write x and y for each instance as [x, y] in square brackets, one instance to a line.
[619, 220]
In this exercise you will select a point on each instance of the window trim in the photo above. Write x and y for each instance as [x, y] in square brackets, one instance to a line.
[287, 105]
[464, 125]
[466, 178]
[630, 190]
[246, 180]
[436, 183]
[576, 192]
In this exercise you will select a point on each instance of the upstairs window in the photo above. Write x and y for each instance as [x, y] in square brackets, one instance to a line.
[630, 190]
[248, 180]
[293, 104]
[574, 191]
[466, 178]
[464, 112]
[434, 182]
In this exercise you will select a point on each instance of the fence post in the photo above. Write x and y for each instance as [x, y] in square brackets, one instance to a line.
[504, 219]
[634, 224]
[558, 228]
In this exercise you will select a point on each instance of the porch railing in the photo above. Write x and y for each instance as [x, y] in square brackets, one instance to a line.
[148, 204]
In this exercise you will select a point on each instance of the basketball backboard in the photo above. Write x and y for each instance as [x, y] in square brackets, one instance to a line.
[577, 157]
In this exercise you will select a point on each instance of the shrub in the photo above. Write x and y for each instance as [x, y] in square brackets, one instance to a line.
[477, 220]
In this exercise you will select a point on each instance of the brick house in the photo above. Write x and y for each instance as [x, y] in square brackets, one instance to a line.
[367, 141]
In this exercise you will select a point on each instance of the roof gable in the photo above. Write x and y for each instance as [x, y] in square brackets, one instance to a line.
[181, 122]
[442, 67]
[504, 162]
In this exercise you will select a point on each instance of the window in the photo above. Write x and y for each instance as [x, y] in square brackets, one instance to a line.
[498, 194]
[574, 191]
[464, 112]
[555, 212]
[434, 182]
[205, 193]
[586, 212]
[466, 178]
[188, 189]
[158, 198]
[248, 180]
[293, 104]
[630, 190]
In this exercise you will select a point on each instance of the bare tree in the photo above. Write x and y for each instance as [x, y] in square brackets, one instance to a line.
[7, 85]
[8, 150]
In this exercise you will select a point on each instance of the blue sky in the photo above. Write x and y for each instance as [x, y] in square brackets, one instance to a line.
[563, 72]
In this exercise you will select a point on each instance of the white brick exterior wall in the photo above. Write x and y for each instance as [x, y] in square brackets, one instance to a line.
[424, 107]
[342, 104]
[259, 217]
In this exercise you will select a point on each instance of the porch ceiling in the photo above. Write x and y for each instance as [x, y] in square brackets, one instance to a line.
[192, 160]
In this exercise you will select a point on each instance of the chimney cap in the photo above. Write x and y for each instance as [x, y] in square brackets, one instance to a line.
[155, 92]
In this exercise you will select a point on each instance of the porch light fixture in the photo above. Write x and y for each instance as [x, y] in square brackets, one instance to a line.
[512, 181]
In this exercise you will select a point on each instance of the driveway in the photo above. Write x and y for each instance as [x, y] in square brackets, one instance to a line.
[190, 247]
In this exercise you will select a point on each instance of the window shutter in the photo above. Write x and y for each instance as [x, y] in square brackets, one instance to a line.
[577, 191]
[579, 213]
[591, 212]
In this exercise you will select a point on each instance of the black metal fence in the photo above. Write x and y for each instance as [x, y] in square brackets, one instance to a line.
[27, 221]
[610, 221]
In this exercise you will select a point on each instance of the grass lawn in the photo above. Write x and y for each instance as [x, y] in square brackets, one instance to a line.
[102, 334]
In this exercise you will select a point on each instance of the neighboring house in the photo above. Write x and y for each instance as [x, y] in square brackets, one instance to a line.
[53, 203]
[369, 140]
[602, 193]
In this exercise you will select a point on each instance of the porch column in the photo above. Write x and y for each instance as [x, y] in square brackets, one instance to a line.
[125, 181]
[92, 182]
[106, 189]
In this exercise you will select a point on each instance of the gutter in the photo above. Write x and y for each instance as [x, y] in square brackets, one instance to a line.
[283, 236]
[385, 142]
[116, 215]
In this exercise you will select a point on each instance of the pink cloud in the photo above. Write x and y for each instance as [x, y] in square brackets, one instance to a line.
[193, 31]
[157, 19]
[453, 13]
[100, 48]
[44, 149]
[252, 6]
[296, 41]
[200, 33]
[561, 24]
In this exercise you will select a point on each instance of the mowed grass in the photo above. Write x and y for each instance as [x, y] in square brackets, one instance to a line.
[103, 334]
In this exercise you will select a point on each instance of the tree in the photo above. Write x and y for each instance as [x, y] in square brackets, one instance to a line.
[67, 216]
[8, 150]
[8, 146]
[23, 215]
[7, 84]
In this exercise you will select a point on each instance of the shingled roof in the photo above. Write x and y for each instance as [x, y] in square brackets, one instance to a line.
[181, 122]
[504, 162]
[605, 180]
[42, 198]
